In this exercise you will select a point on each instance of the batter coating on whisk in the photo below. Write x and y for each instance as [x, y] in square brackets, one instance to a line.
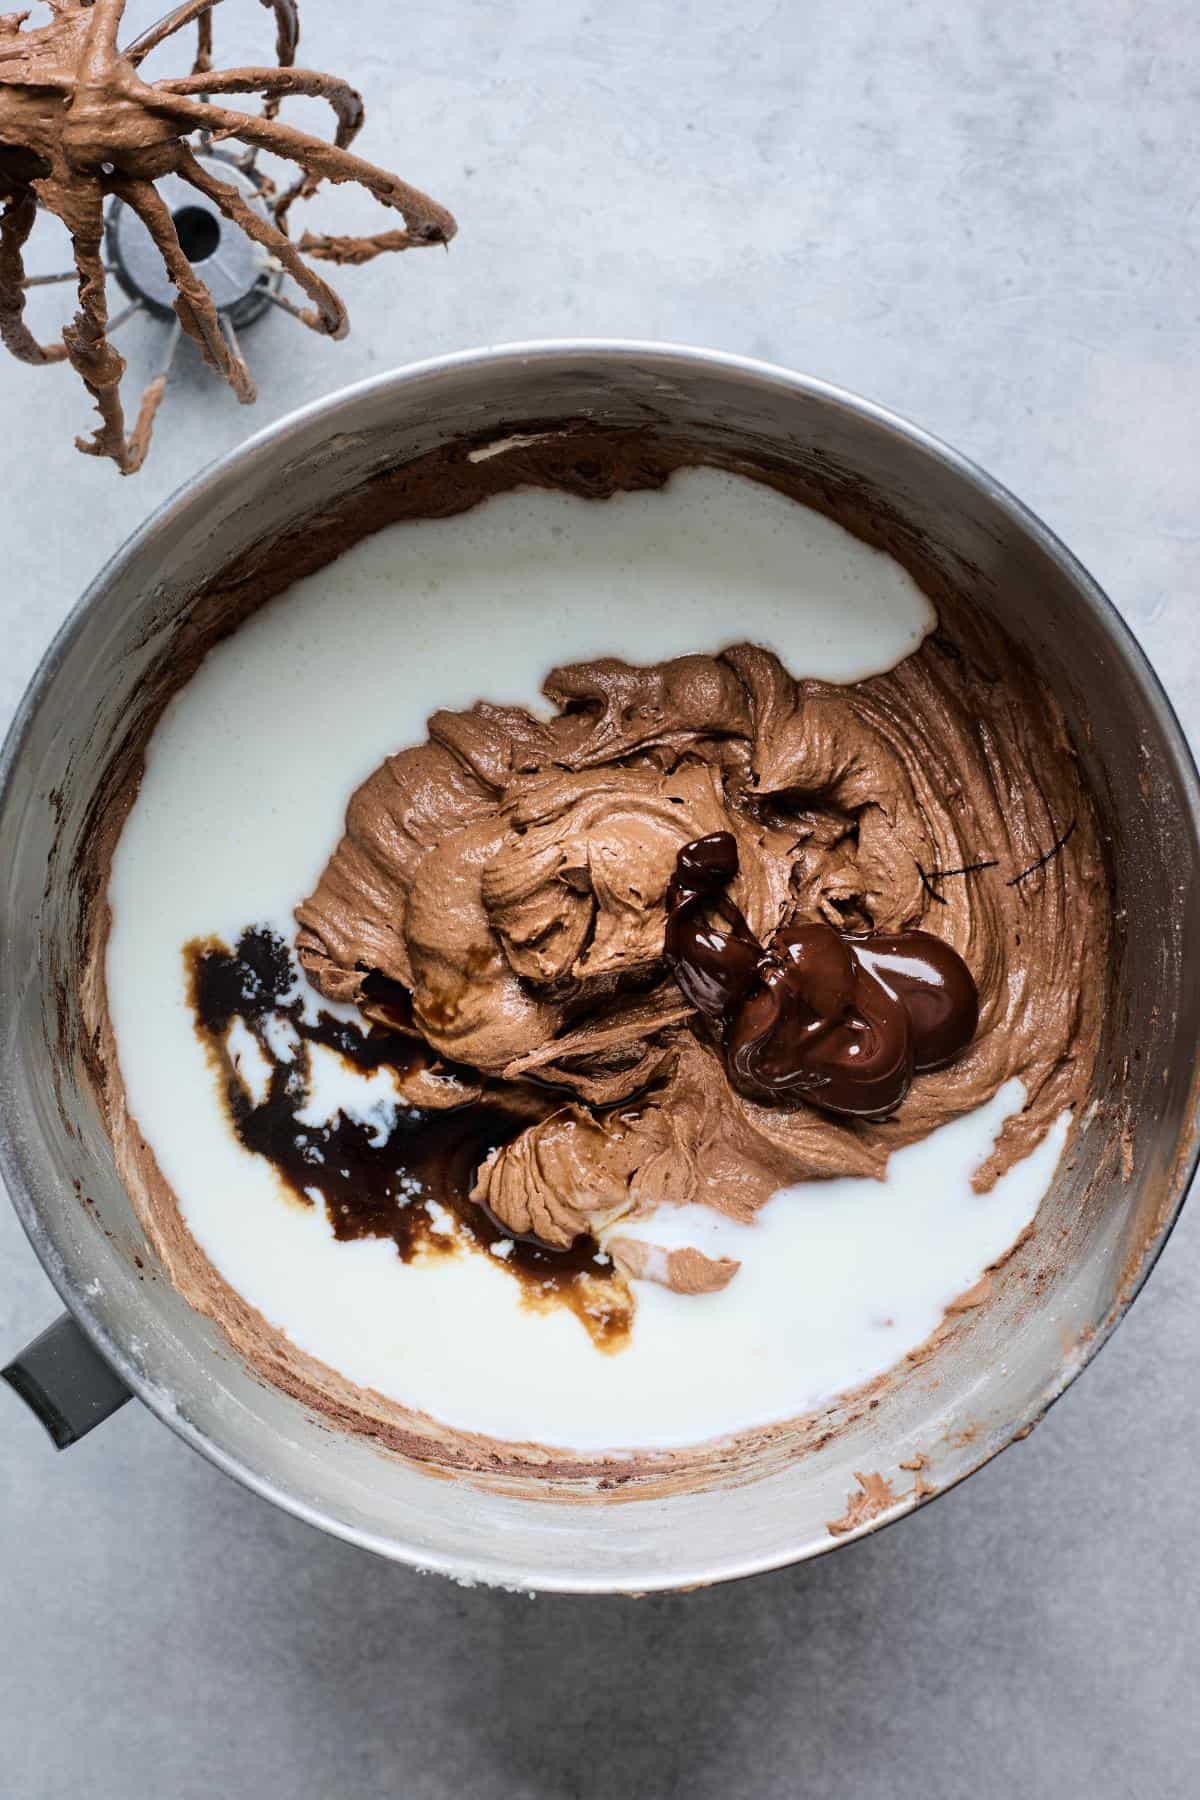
[79, 124]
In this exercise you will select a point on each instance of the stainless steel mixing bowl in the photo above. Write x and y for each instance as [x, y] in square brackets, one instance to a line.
[1101, 1227]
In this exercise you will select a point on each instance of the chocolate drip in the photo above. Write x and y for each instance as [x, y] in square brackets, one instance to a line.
[720, 963]
[842, 1022]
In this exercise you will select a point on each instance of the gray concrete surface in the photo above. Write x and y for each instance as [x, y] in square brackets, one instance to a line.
[985, 216]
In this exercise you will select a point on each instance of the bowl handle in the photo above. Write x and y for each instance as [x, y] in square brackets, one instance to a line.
[65, 1382]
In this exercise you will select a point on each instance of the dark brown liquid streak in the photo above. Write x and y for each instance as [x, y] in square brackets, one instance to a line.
[1058, 845]
[374, 1189]
[929, 876]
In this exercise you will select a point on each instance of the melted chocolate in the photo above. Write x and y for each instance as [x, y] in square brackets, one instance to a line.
[375, 1179]
[718, 961]
[839, 1021]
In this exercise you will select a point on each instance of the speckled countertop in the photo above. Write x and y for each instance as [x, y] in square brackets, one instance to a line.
[986, 218]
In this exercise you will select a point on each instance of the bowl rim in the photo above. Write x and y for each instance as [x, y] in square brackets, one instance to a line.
[204, 488]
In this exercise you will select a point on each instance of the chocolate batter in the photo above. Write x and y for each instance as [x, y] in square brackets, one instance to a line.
[899, 844]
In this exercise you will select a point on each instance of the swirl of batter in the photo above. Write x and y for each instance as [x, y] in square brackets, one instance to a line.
[509, 883]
